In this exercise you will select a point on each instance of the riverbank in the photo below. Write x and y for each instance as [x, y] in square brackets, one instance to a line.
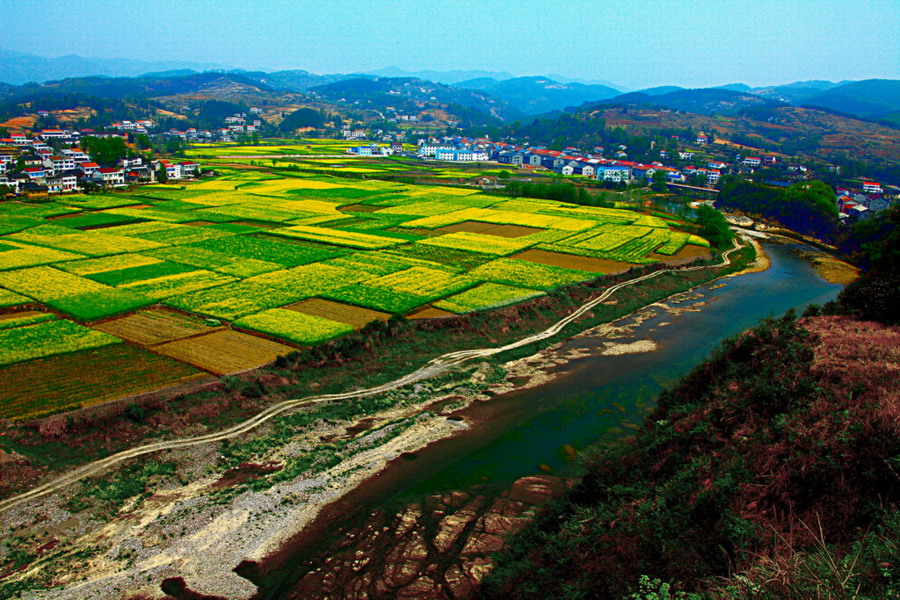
[741, 483]
[142, 539]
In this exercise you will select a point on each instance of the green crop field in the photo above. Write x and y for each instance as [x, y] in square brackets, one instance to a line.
[243, 248]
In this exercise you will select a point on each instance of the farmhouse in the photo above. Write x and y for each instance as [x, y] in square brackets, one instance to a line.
[617, 173]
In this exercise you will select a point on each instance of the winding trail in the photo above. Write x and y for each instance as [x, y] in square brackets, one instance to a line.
[436, 366]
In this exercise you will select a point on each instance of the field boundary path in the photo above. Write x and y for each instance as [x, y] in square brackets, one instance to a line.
[434, 367]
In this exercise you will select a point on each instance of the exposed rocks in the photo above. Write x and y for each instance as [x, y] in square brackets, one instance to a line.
[438, 548]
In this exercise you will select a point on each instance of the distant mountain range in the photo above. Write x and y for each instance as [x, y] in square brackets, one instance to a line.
[18, 68]
[497, 95]
[877, 99]
[536, 95]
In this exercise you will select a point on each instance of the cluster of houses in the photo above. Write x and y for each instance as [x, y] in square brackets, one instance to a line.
[570, 161]
[31, 165]
[377, 149]
[862, 204]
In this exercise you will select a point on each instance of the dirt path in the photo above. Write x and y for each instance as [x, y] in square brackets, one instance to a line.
[434, 367]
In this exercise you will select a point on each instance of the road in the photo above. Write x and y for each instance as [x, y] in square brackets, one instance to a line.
[437, 366]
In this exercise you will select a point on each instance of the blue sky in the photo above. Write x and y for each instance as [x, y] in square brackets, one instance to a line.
[635, 44]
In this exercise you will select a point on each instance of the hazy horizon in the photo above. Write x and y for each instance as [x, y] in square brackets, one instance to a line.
[643, 44]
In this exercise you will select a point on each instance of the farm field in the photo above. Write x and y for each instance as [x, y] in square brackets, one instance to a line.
[85, 378]
[297, 257]
[223, 352]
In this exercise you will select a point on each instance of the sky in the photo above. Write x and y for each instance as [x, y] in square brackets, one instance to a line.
[633, 43]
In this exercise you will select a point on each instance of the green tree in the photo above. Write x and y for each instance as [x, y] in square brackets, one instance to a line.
[659, 181]
[714, 227]
[142, 141]
[161, 175]
[106, 151]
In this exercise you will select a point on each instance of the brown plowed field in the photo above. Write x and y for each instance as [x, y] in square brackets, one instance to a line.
[223, 352]
[354, 316]
[367, 208]
[35, 387]
[148, 327]
[570, 261]
[507, 231]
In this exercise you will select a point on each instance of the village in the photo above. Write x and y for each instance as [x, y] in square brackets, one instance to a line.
[52, 161]
[853, 204]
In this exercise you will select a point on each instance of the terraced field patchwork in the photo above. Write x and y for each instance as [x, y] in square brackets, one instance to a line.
[276, 251]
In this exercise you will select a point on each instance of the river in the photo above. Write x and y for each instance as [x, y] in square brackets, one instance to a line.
[597, 398]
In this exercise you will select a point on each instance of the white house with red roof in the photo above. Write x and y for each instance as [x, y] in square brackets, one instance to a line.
[110, 176]
[35, 173]
[871, 187]
[752, 161]
[88, 167]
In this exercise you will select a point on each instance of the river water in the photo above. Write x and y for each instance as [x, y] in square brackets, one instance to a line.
[595, 398]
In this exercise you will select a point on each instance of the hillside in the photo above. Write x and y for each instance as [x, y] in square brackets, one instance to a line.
[873, 98]
[709, 101]
[536, 95]
[382, 92]
[758, 475]
[148, 87]
[808, 134]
